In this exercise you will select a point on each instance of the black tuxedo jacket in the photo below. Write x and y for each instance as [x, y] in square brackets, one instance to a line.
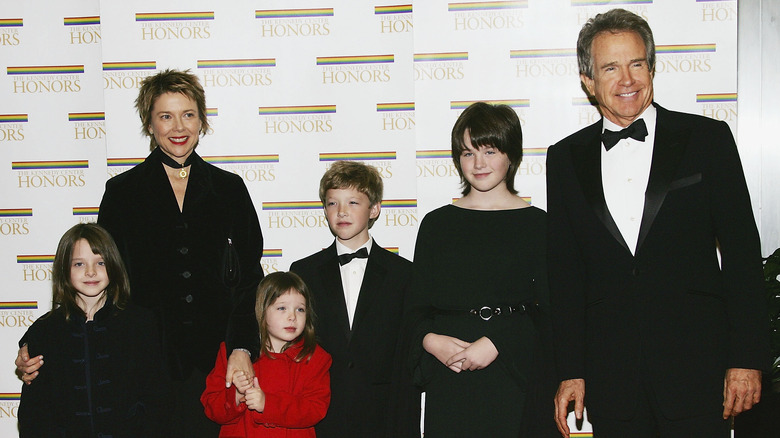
[669, 317]
[371, 393]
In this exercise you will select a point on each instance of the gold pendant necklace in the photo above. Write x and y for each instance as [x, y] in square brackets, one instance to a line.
[182, 173]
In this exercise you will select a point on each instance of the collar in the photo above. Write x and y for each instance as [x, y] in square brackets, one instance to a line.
[343, 249]
[650, 115]
[291, 352]
[103, 313]
[159, 156]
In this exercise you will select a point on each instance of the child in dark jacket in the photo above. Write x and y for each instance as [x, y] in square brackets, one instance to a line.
[102, 353]
[291, 390]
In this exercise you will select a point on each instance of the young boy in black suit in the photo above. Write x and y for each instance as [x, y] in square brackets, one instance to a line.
[359, 290]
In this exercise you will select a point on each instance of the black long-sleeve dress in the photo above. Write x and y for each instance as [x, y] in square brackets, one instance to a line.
[178, 261]
[469, 259]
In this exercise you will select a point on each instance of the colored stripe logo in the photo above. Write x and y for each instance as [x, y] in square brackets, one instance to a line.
[45, 69]
[114, 162]
[302, 109]
[542, 53]
[359, 156]
[13, 118]
[399, 203]
[365, 59]
[16, 305]
[235, 63]
[534, 152]
[719, 97]
[126, 66]
[581, 435]
[434, 154]
[32, 165]
[392, 249]
[272, 252]
[296, 205]
[85, 211]
[212, 112]
[514, 103]
[15, 212]
[609, 2]
[294, 13]
[582, 101]
[82, 21]
[486, 6]
[83, 117]
[11, 22]
[175, 16]
[449, 56]
[394, 9]
[685, 48]
[242, 159]
[11, 396]
[399, 106]
[31, 258]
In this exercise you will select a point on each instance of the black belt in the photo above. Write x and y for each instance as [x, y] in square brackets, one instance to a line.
[486, 312]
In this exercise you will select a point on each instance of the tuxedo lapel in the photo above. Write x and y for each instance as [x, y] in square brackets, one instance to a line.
[670, 140]
[586, 159]
[334, 303]
[373, 279]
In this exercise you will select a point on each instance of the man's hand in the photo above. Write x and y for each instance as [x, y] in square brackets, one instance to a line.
[27, 367]
[238, 361]
[476, 356]
[569, 390]
[444, 347]
[741, 390]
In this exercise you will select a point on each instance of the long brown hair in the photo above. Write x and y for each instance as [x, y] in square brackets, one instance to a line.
[272, 287]
[63, 293]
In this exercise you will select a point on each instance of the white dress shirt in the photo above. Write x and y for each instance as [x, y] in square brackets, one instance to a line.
[625, 171]
[352, 276]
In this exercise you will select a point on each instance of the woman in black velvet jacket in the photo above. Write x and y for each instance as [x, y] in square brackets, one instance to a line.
[190, 238]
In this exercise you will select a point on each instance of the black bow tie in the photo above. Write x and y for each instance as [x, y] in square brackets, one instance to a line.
[362, 253]
[636, 130]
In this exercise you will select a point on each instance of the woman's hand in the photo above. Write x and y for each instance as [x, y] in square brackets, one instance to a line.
[476, 356]
[239, 361]
[27, 367]
[445, 347]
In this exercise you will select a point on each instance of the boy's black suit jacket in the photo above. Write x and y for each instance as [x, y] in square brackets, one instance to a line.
[371, 392]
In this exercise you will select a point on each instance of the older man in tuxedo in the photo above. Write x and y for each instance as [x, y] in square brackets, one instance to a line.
[658, 335]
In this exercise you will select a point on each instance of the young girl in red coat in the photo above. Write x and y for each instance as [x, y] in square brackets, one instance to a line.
[291, 390]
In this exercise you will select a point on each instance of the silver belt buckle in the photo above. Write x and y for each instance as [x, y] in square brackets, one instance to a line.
[481, 313]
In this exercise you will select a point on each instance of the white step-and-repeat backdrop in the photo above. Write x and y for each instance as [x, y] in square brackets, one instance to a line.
[292, 86]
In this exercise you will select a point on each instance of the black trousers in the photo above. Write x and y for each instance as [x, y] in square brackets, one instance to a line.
[649, 421]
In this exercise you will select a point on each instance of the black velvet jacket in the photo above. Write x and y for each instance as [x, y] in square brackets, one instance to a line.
[101, 377]
[177, 260]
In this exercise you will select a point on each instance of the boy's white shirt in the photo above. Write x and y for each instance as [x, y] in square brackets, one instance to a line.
[352, 276]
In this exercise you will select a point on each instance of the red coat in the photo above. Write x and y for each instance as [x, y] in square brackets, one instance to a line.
[297, 395]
